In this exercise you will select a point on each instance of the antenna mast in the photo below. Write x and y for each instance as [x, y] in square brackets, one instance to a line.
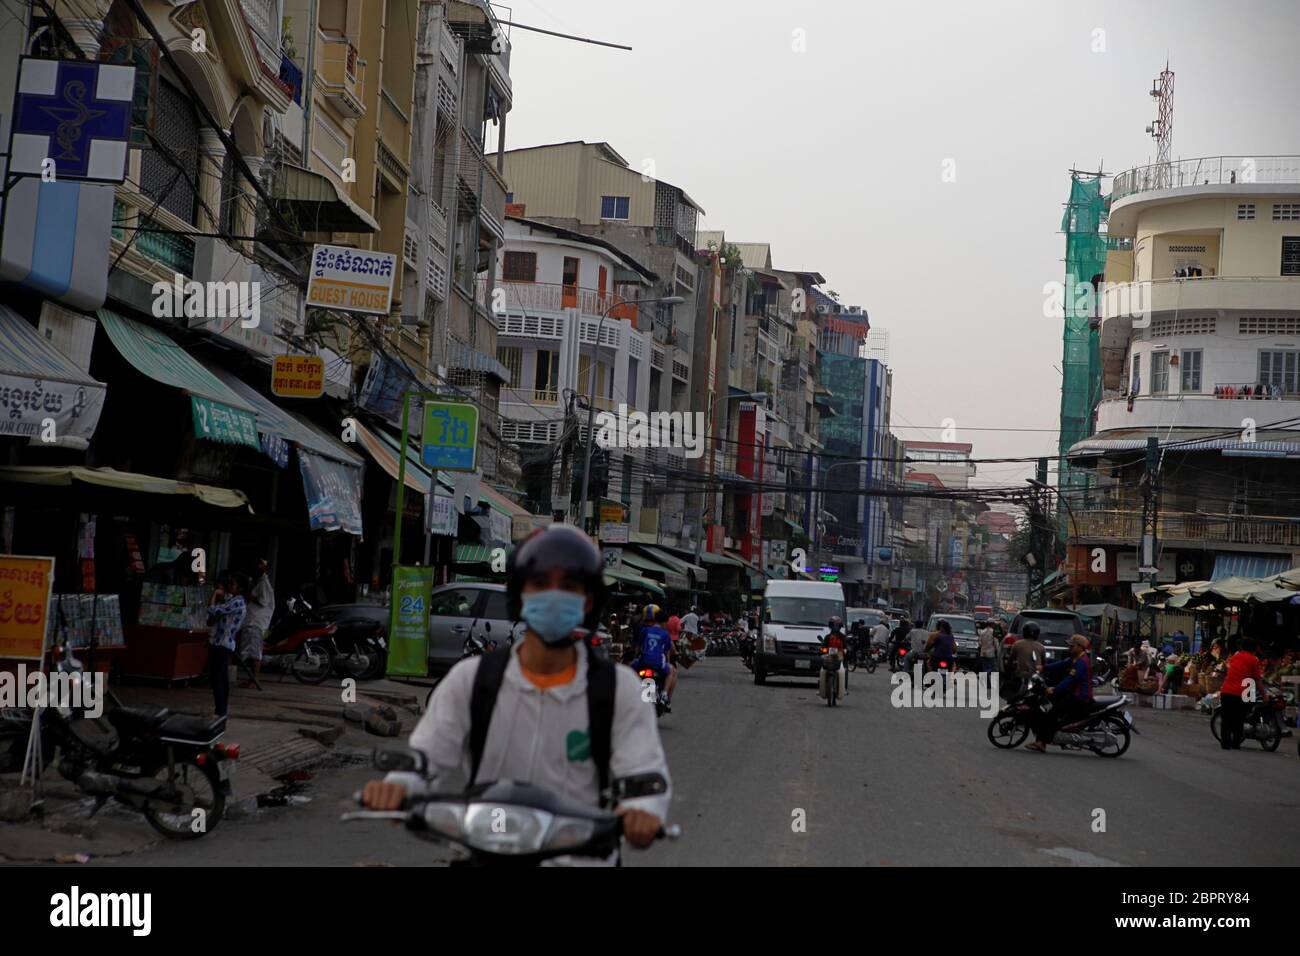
[1162, 130]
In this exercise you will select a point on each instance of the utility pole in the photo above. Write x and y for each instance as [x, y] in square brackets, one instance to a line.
[1148, 547]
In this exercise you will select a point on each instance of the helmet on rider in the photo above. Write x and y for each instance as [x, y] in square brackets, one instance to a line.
[649, 614]
[1029, 632]
[555, 583]
[836, 623]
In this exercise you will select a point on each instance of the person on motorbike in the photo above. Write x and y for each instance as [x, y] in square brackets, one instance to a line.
[655, 654]
[541, 729]
[942, 649]
[1242, 666]
[899, 641]
[1025, 656]
[1071, 696]
[879, 634]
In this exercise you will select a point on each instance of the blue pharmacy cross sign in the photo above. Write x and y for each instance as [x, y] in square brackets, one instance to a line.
[450, 437]
[77, 114]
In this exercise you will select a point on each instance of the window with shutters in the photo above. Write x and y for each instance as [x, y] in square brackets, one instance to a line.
[512, 357]
[177, 133]
[519, 267]
[1190, 369]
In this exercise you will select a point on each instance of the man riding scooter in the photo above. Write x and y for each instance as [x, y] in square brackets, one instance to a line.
[655, 652]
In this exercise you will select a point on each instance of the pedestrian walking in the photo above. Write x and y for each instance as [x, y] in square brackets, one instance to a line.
[989, 645]
[261, 605]
[225, 617]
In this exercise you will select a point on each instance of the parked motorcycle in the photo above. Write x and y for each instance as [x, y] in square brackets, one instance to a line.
[301, 643]
[507, 823]
[1105, 730]
[1263, 721]
[170, 767]
[747, 644]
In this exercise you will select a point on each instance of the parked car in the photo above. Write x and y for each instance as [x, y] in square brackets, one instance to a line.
[1055, 628]
[458, 611]
[964, 635]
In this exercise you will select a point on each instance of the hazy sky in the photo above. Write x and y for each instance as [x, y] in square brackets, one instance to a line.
[836, 155]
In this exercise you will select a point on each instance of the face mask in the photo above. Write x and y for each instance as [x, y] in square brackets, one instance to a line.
[553, 615]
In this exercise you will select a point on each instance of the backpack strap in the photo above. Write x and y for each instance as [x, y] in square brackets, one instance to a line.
[487, 682]
[601, 680]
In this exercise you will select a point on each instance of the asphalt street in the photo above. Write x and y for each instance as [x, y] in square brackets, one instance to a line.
[772, 776]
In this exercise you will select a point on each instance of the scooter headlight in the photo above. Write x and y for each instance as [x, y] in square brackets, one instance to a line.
[445, 819]
[568, 832]
[505, 829]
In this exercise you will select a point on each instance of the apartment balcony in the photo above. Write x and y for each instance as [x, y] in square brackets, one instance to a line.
[1186, 528]
[394, 127]
[1242, 176]
[341, 75]
[532, 298]
[1135, 303]
[1224, 409]
[474, 22]
[265, 18]
[547, 397]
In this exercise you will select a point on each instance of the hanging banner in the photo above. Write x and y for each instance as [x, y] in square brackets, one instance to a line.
[25, 403]
[441, 515]
[333, 492]
[352, 280]
[298, 376]
[408, 622]
[25, 586]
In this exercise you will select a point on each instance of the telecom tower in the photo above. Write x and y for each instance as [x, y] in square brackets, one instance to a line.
[1162, 130]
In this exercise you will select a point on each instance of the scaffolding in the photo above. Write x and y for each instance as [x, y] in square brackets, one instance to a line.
[1085, 264]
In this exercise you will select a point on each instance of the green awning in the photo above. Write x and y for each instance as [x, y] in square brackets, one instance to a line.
[615, 577]
[672, 578]
[794, 526]
[708, 557]
[219, 414]
[682, 565]
[474, 554]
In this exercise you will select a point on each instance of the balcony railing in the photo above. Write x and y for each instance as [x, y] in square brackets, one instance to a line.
[531, 297]
[264, 17]
[1260, 294]
[530, 396]
[342, 75]
[1256, 391]
[1211, 170]
[1126, 526]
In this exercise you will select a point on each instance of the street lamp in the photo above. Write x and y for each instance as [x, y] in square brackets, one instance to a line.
[591, 391]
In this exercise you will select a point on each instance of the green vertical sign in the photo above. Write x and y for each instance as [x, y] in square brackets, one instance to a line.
[408, 622]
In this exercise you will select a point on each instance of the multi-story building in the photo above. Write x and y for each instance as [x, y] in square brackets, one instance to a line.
[548, 331]
[947, 459]
[589, 188]
[1200, 339]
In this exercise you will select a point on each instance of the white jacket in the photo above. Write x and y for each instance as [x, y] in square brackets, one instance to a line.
[540, 736]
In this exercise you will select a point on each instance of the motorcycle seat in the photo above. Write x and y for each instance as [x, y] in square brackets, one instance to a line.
[189, 727]
[138, 718]
[1110, 700]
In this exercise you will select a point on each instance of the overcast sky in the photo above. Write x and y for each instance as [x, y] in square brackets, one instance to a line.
[836, 155]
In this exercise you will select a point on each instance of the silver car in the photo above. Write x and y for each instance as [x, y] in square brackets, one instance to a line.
[459, 612]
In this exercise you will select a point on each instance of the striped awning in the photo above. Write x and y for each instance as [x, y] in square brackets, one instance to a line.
[1092, 447]
[1249, 565]
[614, 577]
[474, 554]
[219, 414]
[38, 382]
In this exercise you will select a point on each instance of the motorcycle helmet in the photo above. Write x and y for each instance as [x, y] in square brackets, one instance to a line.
[557, 546]
[835, 623]
[649, 613]
[1029, 632]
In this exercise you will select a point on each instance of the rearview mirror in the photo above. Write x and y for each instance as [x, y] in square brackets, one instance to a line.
[400, 760]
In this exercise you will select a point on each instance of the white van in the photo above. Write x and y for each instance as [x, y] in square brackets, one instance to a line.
[796, 615]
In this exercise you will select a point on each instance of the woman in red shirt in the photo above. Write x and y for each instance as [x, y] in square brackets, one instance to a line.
[1242, 666]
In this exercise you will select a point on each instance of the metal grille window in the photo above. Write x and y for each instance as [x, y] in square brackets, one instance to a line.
[1286, 211]
[1246, 211]
[177, 129]
[1182, 325]
[1277, 367]
[519, 267]
[1191, 370]
[512, 357]
[1291, 256]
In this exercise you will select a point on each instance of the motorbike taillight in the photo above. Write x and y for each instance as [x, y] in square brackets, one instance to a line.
[229, 751]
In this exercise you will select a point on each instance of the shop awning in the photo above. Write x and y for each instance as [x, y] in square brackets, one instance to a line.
[384, 453]
[274, 420]
[219, 414]
[677, 563]
[1249, 565]
[709, 557]
[37, 382]
[316, 203]
[794, 526]
[614, 577]
[671, 577]
[65, 475]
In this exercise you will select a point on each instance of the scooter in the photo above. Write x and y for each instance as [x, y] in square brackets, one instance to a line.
[1263, 721]
[513, 824]
[1105, 730]
[170, 767]
[833, 681]
[661, 699]
[301, 643]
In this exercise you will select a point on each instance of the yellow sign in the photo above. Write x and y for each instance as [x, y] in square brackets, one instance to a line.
[25, 585]
[611, 514]
[298, 376]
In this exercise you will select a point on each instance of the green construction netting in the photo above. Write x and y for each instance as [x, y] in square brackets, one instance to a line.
[1085, 263]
